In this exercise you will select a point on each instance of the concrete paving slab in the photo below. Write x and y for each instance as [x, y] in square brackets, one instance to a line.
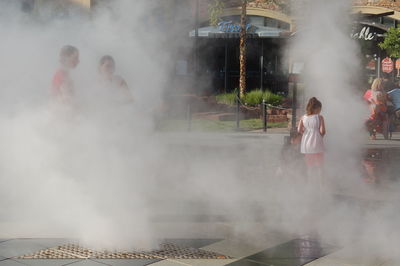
[380, 142]
[10, 262]
[19, 247]
[245, 262]
[351, 256]
[131, 262]
[236, 248]
[86, 263]
[193, 243]
[169, 263]
[206, 262]
[296, 252]
[46, 262]
[54, 242]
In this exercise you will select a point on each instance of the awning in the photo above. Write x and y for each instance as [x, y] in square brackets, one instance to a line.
[259, 32]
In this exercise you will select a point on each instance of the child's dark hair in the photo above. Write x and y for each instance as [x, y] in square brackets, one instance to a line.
[67, 51]
[107, 58]
[313, 105]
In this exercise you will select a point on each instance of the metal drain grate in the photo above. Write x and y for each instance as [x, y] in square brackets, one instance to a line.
[167, 251]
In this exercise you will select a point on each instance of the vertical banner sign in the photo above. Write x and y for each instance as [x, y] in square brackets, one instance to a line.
[387, 65]
[398, 66]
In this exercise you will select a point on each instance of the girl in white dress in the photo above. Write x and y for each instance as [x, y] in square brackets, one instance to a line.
[312, 128]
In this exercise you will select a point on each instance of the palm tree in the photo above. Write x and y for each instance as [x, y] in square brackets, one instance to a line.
[215, 11]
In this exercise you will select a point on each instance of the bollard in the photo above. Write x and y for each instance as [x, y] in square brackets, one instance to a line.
[189, 117]
[238, 110]
[264, 111]
[294, 106]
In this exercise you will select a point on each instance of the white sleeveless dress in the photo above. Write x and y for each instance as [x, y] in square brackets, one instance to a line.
[312, 141]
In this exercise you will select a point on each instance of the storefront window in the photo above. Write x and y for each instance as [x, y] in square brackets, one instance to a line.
[233, 19]
[270, 22]
[256, 21]
[374, 20]
[284, 25]
[389, 22]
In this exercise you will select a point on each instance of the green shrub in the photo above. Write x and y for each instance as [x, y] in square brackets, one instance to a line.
[254, 97]
[226, 98]
[272, 98]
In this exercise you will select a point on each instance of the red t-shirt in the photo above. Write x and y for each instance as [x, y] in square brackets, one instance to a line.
[368, 96]
[61, 85]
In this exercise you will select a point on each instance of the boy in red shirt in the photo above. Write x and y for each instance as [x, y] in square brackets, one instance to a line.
[62, 85]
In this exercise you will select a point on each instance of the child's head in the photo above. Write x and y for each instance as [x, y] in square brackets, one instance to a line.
[377, 84]
[107, 65]
[314, 106]
[69, 56]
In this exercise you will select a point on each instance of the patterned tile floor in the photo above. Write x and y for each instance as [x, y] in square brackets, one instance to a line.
[274, 250]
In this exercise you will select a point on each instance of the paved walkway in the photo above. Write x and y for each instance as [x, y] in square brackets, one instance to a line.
[380, 142]
[273, 249]
[209, 248]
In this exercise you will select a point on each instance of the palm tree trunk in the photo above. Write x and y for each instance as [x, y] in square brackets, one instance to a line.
[242, 57]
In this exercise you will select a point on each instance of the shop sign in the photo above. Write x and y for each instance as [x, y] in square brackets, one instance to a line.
[398, 67]
[387, 65]
[365, 33]
[398, 64]
[229, 27]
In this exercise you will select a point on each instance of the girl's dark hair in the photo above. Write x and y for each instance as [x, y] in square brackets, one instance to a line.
[313, 104]
[105, 59]
[67, 51]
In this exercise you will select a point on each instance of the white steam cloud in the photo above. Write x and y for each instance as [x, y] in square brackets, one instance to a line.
[101, 174]
[81, 172]
[332, 74]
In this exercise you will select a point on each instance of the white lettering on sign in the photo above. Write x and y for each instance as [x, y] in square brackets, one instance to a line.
[364, 34]
[387, 65]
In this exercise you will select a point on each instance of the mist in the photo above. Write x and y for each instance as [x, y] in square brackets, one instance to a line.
[99, 172]
[332, 74]
[102, 174]
[82, 171]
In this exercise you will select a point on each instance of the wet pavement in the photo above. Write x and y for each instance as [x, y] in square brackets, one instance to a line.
[277, 251]
[273, 248]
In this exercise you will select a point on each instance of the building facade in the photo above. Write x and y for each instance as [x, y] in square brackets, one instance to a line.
[372, 21]
[269, 29]
[214, 60]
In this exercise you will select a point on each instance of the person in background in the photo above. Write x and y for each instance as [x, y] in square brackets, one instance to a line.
[62, 87]
[394, 109]
[378, 120]
[110, 81]
[312, 128]
[368, 96]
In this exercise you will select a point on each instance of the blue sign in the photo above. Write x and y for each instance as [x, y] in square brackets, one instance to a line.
[228, 26]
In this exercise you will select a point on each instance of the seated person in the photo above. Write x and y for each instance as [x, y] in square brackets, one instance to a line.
[394, 97]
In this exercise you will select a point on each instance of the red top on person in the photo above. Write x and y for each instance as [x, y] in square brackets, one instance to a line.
[62, 85]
